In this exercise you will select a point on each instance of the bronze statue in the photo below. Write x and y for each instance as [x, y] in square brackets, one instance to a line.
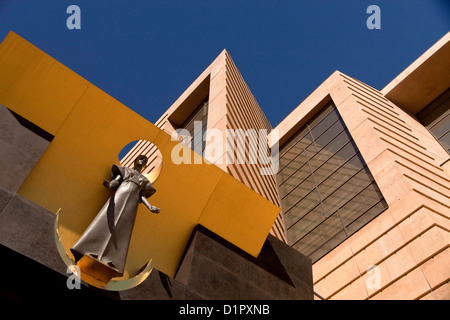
[108, 236]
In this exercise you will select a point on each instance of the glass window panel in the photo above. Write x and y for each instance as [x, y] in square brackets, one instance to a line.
[327, 247]
[321, 115]
[324, 125]
[200, 114]
[348, 151]
[329, 186]
[306, 224]
[308, 245]
[288, 186]
[329, 135]
[337, 142]
[296, 147]
[348, 169]
[294, 140]
[293, 216]
[356, 162]
[283, 162]
[197, 139]
[325, 178]
[353, 209]
[440, 127]
[302, 190]
[302, 207]
[438, 109]
[334, 163]
[364, 177]
[311, 150]
[345, 191]
[366, 217]
[353, 165]
[300, 145]
[297, 161]
[290, 156]
[318, 236]
[445, 140]
[285, 174]
[297, 157]
[326, 170]
[339, 177]
[436, 117]
[189, 127]
[300, 163]
[319, 159]
[435, 109]
[336, 178]
[292, 153]
[302, 175]
[343, 154]
[336, 199]
[287, 158]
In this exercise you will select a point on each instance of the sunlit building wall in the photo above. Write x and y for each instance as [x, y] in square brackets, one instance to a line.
[219, 100]
[363, 180]
[364, 183]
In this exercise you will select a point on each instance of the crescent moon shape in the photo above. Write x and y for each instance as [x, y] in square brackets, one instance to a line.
[113, 285]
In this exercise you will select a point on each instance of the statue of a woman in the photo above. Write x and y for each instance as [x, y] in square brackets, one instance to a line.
[108, 236]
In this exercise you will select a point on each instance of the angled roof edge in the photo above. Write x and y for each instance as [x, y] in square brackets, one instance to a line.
[423, 80]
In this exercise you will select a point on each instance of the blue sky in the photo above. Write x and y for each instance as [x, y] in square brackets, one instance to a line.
[146, 53]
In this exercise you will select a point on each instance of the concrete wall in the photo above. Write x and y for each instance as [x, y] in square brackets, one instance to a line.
[215, 269]
[20, 149]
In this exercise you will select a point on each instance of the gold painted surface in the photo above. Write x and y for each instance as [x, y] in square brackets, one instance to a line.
[27, 74]
[90, 129]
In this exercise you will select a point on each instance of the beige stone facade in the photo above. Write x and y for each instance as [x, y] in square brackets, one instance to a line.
[403, 253]
[231, 106]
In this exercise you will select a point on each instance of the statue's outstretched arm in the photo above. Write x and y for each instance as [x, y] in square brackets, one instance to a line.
[113, 183]
[149, 206]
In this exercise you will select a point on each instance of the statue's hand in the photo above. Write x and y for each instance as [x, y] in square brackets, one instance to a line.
[110, 184]
[149, 206]
[154, 209]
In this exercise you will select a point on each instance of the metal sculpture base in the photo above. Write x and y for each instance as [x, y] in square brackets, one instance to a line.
[95, 272]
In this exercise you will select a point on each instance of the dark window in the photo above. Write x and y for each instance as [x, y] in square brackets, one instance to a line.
[436, 118]
[327, 192]
[198, 119]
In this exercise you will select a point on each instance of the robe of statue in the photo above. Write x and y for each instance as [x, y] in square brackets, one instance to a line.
[108, 236]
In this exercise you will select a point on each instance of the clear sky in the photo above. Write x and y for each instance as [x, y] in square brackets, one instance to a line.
[146, 53]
